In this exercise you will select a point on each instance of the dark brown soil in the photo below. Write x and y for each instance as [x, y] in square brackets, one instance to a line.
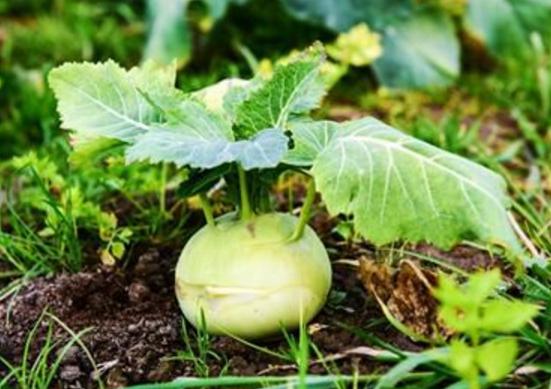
[133, 316]
[136, 324]
[463, 257]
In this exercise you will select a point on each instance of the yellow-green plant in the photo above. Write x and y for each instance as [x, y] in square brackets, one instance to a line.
[479, 354]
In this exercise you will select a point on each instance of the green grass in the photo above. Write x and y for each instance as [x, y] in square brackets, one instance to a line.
[272, 382]
[198, 350]
[40, 371]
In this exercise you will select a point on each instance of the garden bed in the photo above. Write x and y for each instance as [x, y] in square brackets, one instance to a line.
[134, 325]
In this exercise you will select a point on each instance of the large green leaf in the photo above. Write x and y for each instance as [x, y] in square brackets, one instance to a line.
[141, 107]
[169, 37]
[504, 26]
[104, 100]
[398, 187]
[420, 51]
[294, 88]
[309, 139]
[225, 95]
[266, 149]
[420, 47]
[202, 139]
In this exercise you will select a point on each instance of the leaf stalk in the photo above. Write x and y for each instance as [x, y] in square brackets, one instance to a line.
[305, 211]
[246, 212]
[207, 209]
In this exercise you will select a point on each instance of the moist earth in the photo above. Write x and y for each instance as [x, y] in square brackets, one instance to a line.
[133, 326]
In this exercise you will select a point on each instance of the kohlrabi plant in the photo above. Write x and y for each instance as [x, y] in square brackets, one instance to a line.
[254, 271]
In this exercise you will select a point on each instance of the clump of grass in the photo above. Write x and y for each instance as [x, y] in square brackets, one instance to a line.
[40, 371]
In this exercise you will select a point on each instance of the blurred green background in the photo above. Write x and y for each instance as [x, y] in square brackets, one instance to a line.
[425, 44]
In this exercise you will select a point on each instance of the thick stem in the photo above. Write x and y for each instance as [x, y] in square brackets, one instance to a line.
[207, 209]
[246, 212]
[305, 211]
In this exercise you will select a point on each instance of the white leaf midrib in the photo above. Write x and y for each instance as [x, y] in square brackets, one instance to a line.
[285, 109]
[399, 148]
[122, 116]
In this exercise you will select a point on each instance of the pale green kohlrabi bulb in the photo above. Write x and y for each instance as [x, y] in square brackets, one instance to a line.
[249, 279]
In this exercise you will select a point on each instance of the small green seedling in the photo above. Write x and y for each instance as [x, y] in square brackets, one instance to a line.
[477, 316]
[254, 270]
[64, 213]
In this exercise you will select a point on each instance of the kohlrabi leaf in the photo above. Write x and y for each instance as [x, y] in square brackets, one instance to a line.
[197, 138]
[87, 152]
[294, 88]
[400, 188]
[237, 94]
[215, 96]
[202, 139]
[104, 100]
[309, 139]
[264, 150]
[181, 145]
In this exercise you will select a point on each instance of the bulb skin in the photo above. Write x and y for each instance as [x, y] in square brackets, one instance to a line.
[247, 279]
